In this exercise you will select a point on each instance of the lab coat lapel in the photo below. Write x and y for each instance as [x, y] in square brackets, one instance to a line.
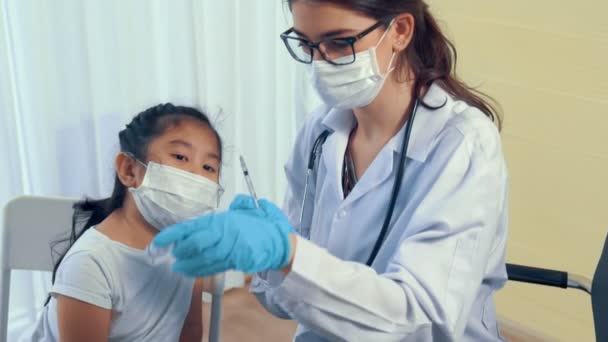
[379, 171]
[333, 157]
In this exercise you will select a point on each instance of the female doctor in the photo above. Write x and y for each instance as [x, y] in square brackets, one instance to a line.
[395, 219]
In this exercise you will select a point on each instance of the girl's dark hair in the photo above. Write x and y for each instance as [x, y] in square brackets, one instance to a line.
[134, 139]
[431, 56]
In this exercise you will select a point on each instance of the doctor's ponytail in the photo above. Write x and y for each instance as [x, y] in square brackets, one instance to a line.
[134, 139]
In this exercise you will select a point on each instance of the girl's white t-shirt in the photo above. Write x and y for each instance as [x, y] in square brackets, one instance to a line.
[149, 302]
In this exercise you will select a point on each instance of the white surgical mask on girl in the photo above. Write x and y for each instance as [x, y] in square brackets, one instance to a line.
[352, 85]
[168, 195]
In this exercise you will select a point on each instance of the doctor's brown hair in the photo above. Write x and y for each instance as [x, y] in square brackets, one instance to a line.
[431, 56]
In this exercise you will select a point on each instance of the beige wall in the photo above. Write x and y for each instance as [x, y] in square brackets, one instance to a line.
[546, 62]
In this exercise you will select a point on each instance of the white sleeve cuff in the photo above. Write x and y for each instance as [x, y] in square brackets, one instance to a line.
[83, 296]
[305, 267]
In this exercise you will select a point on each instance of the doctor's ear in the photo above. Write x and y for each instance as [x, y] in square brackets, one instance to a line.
[128, 171]
[403, 31]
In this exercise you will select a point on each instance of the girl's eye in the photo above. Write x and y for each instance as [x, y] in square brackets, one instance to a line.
[180, 157]
[209, 168]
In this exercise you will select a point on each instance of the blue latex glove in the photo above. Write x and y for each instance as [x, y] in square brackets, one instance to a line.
[243, 238]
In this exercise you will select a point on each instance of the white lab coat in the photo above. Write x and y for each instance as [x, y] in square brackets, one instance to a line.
[443, 259]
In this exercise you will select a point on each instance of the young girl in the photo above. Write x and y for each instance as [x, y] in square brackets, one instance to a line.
[106, 287]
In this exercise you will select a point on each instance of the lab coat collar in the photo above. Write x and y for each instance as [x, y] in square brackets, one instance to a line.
[427, 124]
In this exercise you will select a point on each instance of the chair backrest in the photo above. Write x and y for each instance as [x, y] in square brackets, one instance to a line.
[30, 225]
[599, 296]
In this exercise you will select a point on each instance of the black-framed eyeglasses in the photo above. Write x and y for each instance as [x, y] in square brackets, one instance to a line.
[337, 51]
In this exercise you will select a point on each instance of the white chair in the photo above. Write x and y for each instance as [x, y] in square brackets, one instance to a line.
[31, 223]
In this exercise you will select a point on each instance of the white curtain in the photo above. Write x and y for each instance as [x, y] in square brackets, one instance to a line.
[73, 73]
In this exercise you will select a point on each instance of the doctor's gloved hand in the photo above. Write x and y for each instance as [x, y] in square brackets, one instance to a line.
[243, 238]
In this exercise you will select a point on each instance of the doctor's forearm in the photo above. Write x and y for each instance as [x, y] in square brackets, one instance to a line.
[293, 243]
[346, 299]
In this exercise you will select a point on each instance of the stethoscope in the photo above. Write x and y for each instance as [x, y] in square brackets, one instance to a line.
[317, 150]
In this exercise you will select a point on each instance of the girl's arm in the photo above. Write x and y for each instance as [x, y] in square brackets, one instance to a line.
[80, 321]
[193, 325]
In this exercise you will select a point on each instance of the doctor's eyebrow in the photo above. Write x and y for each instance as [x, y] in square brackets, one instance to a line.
[328, 34]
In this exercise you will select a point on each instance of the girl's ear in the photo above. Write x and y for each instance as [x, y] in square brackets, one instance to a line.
[129, 172]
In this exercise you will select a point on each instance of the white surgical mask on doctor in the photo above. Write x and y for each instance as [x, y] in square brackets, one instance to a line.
[168, 195]
[351, 85]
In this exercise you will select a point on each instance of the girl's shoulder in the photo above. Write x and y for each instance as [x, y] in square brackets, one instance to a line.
[86, 272]
[92, 242]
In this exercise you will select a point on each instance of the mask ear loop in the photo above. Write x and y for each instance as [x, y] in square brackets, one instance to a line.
[384, 34]
[391, 67]
[390, 62]
[220, 192]
[130, 155]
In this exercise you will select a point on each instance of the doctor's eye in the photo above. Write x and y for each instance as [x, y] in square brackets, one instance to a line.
[337, 45]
